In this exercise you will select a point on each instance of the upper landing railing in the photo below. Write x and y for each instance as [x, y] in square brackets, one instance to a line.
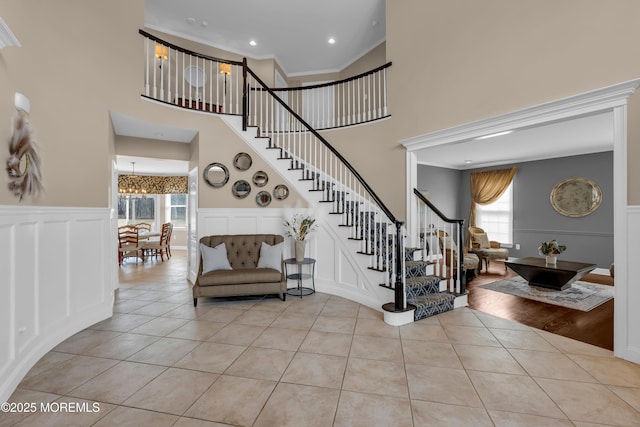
[188, 79]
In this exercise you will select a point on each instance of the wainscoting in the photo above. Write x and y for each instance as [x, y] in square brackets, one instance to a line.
[339, 269]
[58, 274]
[628, 297]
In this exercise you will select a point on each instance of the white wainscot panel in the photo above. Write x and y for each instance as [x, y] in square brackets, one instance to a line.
[633, 290]
[87, 257]
[7, 305]
[53, 294]
[210, 225]
[347, 276]
[25, 284]
[243, 224]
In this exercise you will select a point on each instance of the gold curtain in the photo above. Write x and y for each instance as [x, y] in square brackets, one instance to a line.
[155, 184]
[487, 187]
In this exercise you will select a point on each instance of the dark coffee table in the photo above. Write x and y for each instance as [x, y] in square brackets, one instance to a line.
[559, 276]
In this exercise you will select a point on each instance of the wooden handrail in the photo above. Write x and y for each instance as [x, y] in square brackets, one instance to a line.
[336, 82]
[436, 210]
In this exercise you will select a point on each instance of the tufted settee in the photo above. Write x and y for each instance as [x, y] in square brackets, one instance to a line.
[244, 277]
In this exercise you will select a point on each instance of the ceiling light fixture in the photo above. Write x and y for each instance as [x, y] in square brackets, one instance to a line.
[468, 161]
[332, 41]
[253, 43]
[129, 186]
[493, 135]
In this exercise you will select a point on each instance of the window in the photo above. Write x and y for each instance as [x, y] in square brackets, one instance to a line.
[133, 211]
[176, 209]
[496, 218]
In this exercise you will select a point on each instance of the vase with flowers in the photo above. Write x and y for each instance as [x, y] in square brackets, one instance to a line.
[550, 249]
[299, 228]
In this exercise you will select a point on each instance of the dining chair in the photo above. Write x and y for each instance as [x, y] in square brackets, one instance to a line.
[128, 244]
[158, 247]
[169, 240]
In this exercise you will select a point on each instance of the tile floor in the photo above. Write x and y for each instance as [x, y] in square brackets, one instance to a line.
[316, 361]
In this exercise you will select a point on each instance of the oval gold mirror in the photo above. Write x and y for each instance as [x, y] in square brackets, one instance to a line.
[263, 198]
[260, 178]
[281, 192]
[241, 189]
[242, 161]
[576, 197]
[216, 175]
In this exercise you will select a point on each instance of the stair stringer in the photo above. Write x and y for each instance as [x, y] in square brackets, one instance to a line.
[349, 276]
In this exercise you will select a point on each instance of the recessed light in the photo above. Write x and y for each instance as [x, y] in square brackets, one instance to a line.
[468, 161]
[204, 23]
[191, 20]
[506, 132]
[252, 43]
[332, 40]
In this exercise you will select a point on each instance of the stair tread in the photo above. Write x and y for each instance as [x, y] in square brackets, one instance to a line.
[434, 298]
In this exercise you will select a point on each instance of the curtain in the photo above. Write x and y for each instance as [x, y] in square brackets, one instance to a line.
[487, 187]
[155, 184]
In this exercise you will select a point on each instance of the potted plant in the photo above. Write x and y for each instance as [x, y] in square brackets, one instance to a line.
[299, 228]
[550, 249]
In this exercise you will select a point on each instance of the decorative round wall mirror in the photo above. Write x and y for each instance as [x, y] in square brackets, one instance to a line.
[242, 161]
[216, 175]
[576, 197]
[195, 76]
[260, 178]
[263, 199]
[241, 189]
[281, 192]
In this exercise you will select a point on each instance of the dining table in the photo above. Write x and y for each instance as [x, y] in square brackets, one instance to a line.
[146, 235]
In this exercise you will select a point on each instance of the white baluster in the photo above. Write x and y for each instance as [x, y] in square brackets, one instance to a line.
[146, 83]
[384, 88]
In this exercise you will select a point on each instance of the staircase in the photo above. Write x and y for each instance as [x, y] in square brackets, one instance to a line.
[316, 169]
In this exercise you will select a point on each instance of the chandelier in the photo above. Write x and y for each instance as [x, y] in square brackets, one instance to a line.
[131, 187]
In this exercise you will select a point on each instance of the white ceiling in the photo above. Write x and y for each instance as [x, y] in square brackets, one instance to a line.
[149, 166]
[294, 32]
[589, 134]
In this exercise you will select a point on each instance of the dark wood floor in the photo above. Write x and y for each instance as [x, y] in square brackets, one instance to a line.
[593, 327]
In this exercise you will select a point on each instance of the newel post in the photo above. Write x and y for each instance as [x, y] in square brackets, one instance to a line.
[400, 297]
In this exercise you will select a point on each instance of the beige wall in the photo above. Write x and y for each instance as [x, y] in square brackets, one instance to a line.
[153, 148]
[373, 59]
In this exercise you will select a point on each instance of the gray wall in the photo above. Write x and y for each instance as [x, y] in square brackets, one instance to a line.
[443, 186]
[588, 238]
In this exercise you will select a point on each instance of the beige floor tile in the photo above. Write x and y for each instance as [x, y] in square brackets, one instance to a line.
[280, 338]
[160, 326]
[340, 309]
[376, 328]
[377, 377]
[377, 348]
[272, 304]
[192, 422]
[188, 311]
[237, 334]
[571, 346]
[85, 413]
[444, 385]
[293, 320]
[513, 393]
[369, 410]
[63, 377]
[460, 317]
[156, 308]
[232, 400]
[133, 417]
[197, 330]
[430, 353]
[590, 402]
[495, 322]
[369, 313]
[122, 322]
[21, 395]
[316, 370]
[116, 384]
[308, 306]
[343, 325]
[424, 332]
[629, 395]
[128, 306]
[211, 357]
[470, 335]
[512, 419]
[523, 340]
[489, 359]
[165, 351]
[327, 343]
[261, 363]
[545, 364]
[293, 405]
[174, 391]
[223, 314]
[610, 371]
[257, 317]
[435, 414]
[84, 341]
[47, 361]
[122, 346]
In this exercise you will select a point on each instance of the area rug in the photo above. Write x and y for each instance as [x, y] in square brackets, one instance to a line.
[581, 296]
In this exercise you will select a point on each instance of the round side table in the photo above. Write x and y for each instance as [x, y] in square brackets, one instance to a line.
[299, 276]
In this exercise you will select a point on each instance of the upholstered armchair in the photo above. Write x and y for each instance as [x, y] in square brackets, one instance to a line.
[449, 251]
[486, 249]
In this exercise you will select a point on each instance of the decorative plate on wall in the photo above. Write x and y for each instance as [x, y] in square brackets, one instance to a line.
[576, 197]
[241, 189]
[260, 178]
[263, 198]
[216, 175]
[281, 192]
[242, 161]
